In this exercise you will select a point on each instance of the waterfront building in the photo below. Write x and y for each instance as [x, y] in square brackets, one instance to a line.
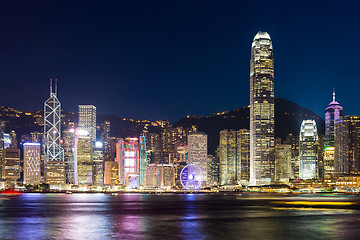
[53, 152]
[165, 175]
[347, 146]
[294, 142]
[151, 171]
[262, 164]
[143, 160]
[197, 152]
[283, 157]
[98, 164]
[213, 170]
[127, 154]
[106, 138]
[83, 161]
[234, 147]
[32, 153]
[333, 115]
[68, 144]
[111, 175]
[87, 120]
[309, 143]
[11, 166]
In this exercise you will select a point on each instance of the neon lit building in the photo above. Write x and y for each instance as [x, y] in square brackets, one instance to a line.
[347, 146]
[53, 152]
[197, 152]
[309, 147]
[32, 173]
[262, 163]
[87, 120]
[128, 156]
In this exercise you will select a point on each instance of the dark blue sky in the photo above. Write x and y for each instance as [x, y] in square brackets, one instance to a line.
[166, 59]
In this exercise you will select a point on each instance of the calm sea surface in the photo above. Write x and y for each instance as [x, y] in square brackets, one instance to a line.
[141, 216]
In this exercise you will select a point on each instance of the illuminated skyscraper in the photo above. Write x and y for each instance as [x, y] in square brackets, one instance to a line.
[283, 171]
[53, 152]
[347, 146]
[309, 147]
[11, 166]
[98, 164]
[127, 153]
[197, 152]
[333, 115]
[262, 162]
[32, 174]
[87, 120]
[68, 145]
[83, 161]
[111, 173]
[143, 160]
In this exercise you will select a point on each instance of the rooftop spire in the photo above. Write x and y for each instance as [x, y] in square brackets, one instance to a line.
[333, 94]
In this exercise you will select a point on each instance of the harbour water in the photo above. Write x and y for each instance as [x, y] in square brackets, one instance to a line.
[177, 216]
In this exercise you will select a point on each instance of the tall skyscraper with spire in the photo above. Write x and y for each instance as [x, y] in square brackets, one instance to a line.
[53, 152]
[262, 163]
[333, 115]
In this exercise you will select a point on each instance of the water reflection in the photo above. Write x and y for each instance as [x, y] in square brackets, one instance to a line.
[136, 216]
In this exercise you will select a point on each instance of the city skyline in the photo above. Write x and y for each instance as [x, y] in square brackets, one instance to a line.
[202, 48]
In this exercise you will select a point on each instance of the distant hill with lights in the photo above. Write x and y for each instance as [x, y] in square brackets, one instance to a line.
[288, 118]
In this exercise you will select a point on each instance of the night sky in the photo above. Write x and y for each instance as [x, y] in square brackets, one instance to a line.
[167, 59]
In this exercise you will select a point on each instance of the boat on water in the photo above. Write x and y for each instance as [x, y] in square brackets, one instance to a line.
[11, 192]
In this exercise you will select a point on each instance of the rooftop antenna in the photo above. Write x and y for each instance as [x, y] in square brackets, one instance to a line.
[50, 86]
[333, 94]
[55, 86]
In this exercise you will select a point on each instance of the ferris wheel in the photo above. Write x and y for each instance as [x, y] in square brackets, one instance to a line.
[191, 177]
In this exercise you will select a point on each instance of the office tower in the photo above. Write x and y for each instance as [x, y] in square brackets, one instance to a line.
[294, 142]
[53, 152]
[111, 175]
[87, 120]
[11, 166]
[106, 138]
[165, 175]
[213, 170]
[36, 137]
[32, 173]
[68, 144]
[234, 147]
[347, 146]
[179, 160]
[151, 171]
[283, 155]
[261, 110]
[333, 115]
[197, 152]
[83, 161]
[309, 143]
[127, 153]
[13, 139]
[143, 160]
[98, 164]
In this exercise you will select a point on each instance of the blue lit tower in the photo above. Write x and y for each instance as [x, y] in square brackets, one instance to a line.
[333, 114]
[53, 152]
[262, 162]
